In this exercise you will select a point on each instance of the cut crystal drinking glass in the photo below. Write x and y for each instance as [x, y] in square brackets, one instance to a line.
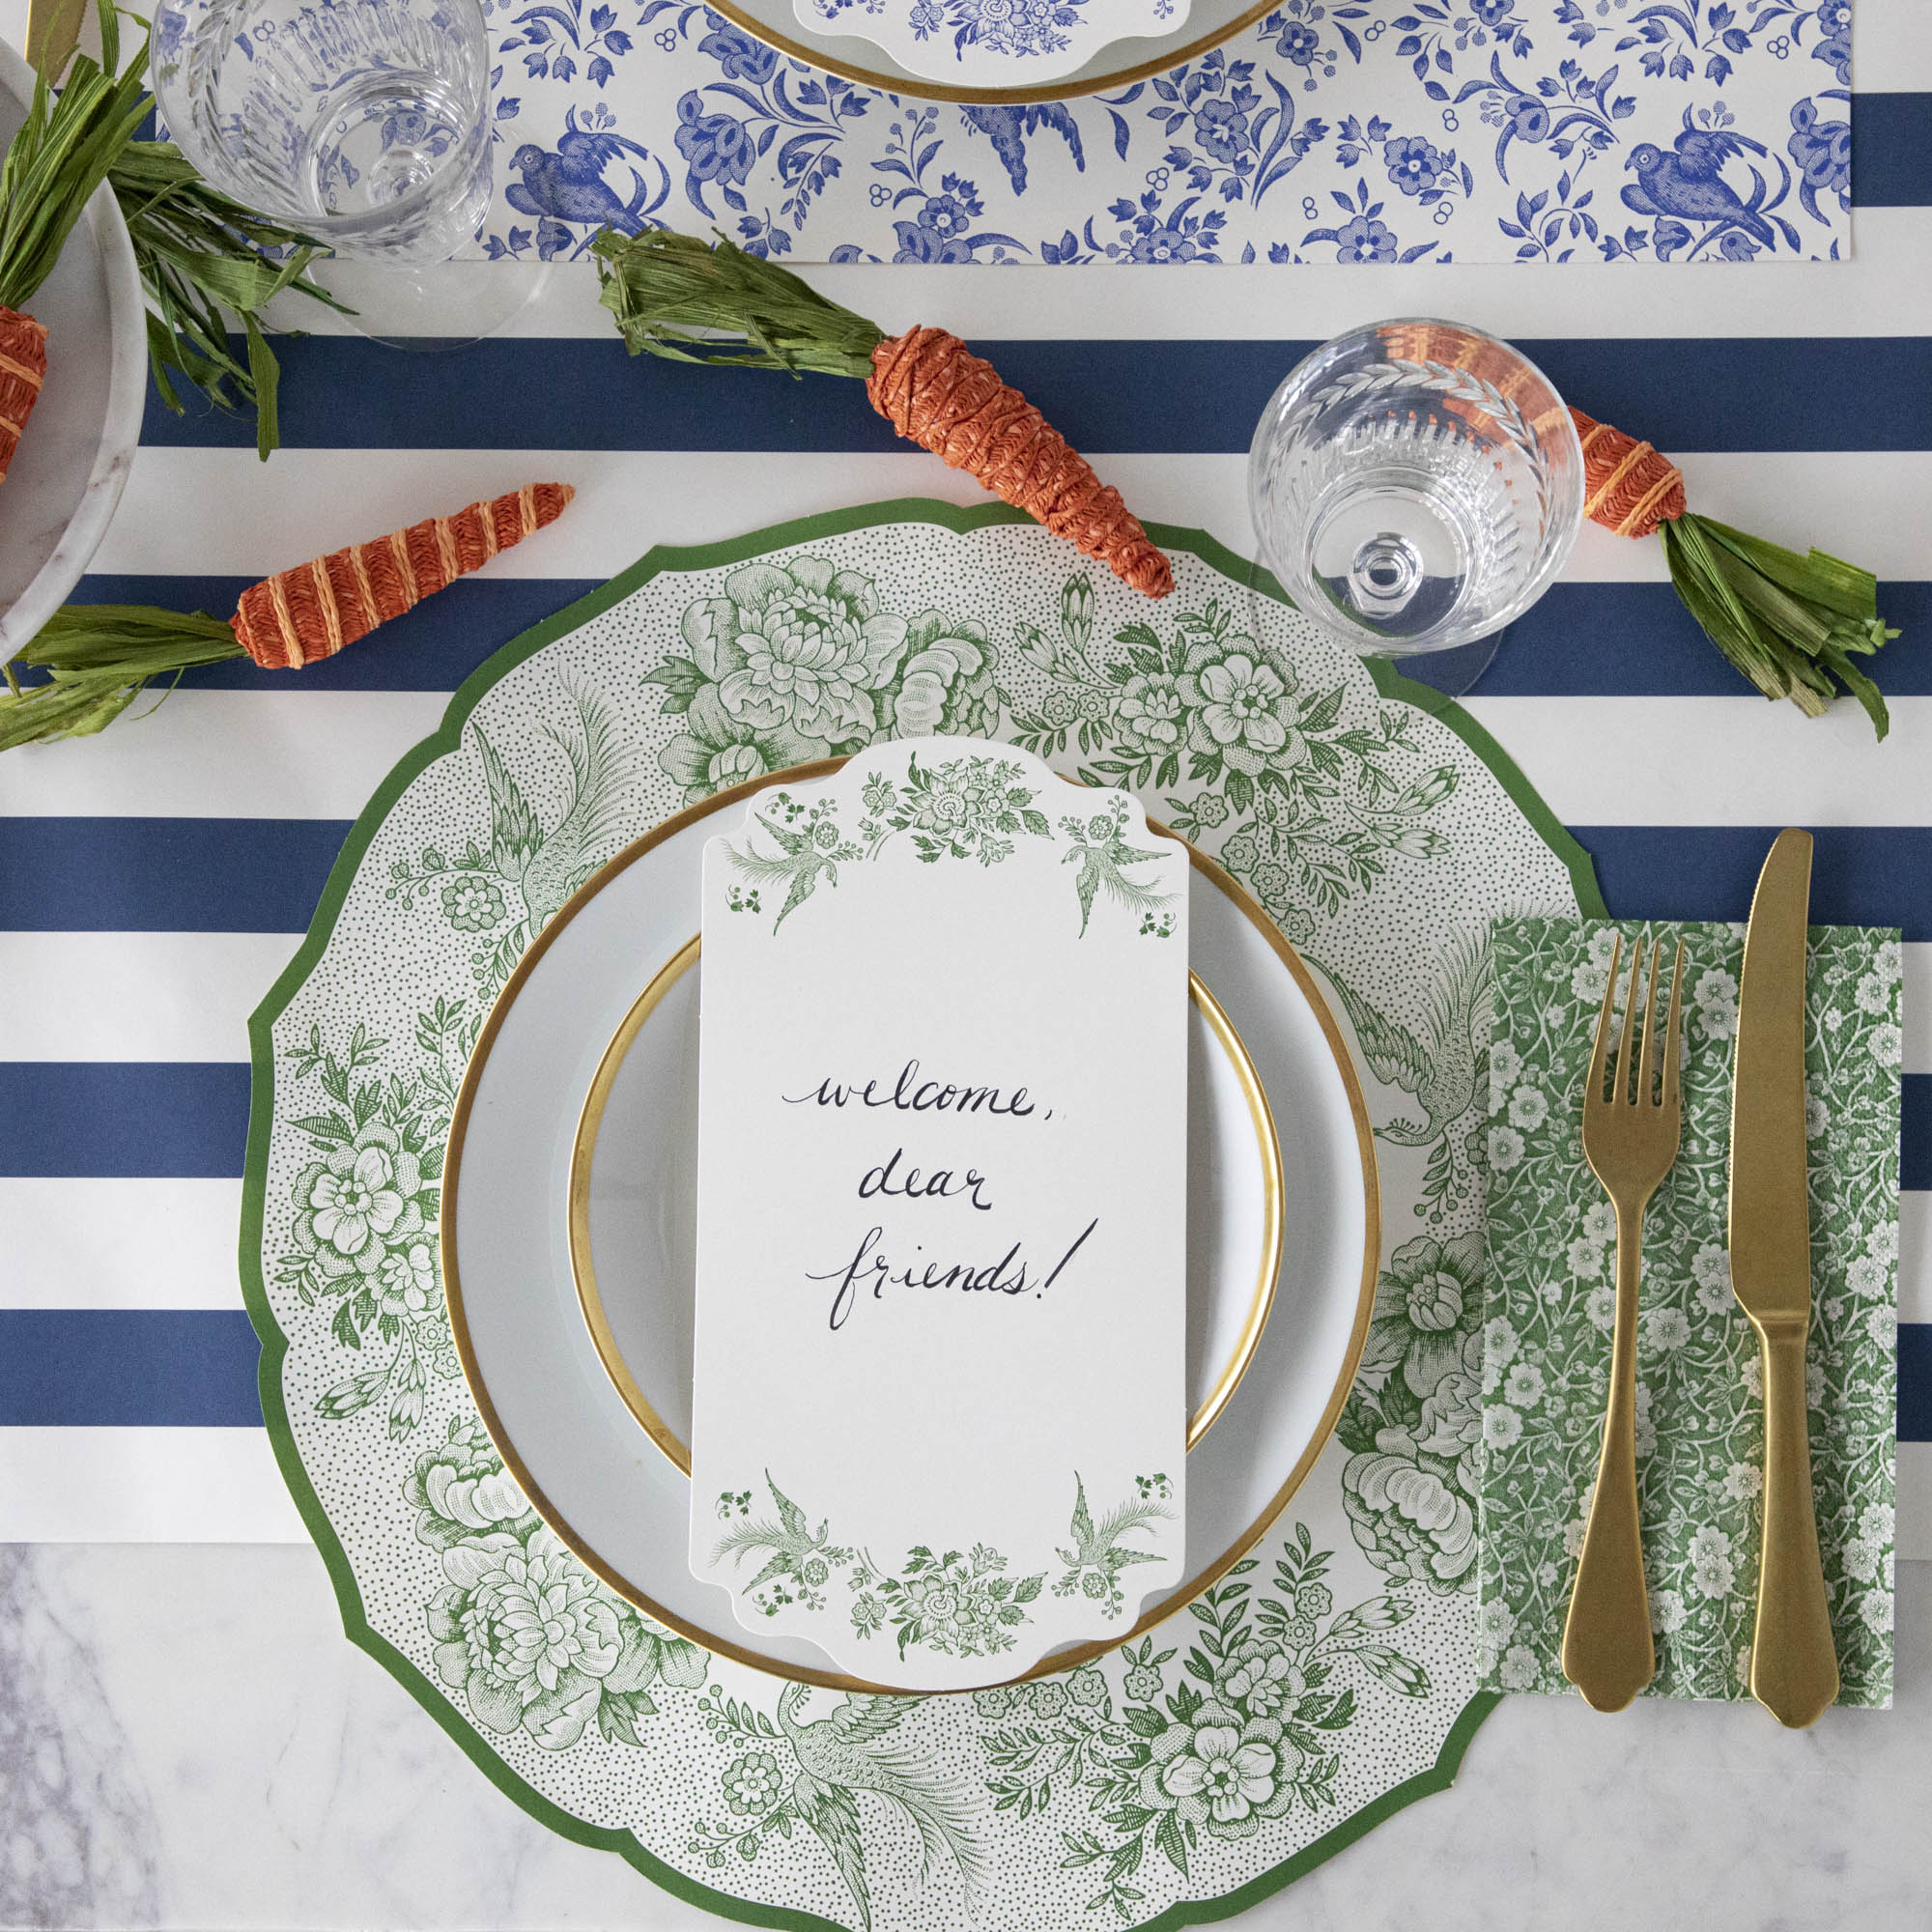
[1415, 486]
[364, 122]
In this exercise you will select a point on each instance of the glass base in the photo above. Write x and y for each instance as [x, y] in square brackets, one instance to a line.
[1442, 676]
[431, 305]
[1446, 676]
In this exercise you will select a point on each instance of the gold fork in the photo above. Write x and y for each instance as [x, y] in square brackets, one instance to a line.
[1631, 1140]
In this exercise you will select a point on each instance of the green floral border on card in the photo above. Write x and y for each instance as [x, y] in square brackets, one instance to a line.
[275, 1342]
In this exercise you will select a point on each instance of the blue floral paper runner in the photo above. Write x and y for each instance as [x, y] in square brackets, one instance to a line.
[1369, 130]
[1700, 1411]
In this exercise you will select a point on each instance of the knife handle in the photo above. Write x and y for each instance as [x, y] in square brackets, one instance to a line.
[1794, 1671]
[1607, 1651]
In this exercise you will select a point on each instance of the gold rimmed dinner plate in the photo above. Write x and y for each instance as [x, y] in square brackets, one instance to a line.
[657, 1182]
[1210, 24]
[564, 1432]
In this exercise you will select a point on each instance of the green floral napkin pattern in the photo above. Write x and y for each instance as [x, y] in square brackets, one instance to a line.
[1551, 1251]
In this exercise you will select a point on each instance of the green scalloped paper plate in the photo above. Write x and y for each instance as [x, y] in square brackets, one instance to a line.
[1332, 1678]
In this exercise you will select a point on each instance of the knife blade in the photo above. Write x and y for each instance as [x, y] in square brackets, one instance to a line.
[1770, 1215]
[1793, 1670]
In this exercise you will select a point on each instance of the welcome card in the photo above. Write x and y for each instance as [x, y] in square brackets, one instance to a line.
[939, 1410]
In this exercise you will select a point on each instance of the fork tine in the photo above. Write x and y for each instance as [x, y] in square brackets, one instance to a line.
[1671, 1056]
[1646, 1074]
[1593, 1092]
[1622, 1089]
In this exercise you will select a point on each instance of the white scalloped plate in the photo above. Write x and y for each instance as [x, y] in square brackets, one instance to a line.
[883, 50]
[989, 43]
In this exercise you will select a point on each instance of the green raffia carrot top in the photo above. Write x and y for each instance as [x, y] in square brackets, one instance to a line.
[1791, 624]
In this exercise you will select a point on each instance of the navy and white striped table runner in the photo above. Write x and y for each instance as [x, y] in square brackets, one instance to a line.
[153, 882]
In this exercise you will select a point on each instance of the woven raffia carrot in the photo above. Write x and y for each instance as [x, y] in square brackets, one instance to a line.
[1791, 624]
[97, 656]
[926, 384]
[1628, 487]
[23, 368]
[311, 612]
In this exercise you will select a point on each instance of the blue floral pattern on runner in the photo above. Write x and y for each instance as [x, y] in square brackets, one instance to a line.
[1361, 131]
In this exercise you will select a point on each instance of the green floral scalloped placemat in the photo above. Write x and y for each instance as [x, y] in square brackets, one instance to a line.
[1329, 1680]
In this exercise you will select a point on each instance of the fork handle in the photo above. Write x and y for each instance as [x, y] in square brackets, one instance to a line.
[1607, 1652]
[1794, 1671]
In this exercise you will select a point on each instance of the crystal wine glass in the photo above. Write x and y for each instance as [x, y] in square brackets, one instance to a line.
[364, 122]
[1415, 486]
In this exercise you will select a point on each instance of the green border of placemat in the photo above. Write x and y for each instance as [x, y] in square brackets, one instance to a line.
[446, 738]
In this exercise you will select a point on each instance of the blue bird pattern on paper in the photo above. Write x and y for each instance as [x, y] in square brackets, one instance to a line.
[1686, 185]
[1008, 129]
[1353, 131]
[569, 185]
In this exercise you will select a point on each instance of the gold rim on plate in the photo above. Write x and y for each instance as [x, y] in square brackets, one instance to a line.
[1071, 88]
[584, 1151]
[1060, 1660]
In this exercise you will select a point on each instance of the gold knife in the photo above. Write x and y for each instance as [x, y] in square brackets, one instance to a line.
[1794, 1671]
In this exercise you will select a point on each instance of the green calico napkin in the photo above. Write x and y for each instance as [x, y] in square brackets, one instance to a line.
[1700, 1416]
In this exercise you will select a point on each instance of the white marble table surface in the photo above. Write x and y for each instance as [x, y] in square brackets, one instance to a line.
[186, 1740]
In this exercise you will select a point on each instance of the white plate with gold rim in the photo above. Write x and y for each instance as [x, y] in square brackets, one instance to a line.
[565, 1430]
[1097, 62]
[996, 43]
[634, 1207]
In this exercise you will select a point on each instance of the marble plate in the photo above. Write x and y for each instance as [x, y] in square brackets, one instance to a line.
[72, 462]
[583, 1457]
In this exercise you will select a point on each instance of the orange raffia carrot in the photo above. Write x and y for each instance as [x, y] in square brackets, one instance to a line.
[1627, 486]
[937, 393]
[925, 382]
[313, 610]
[1791, 623]
[23, 368]
[97, 656]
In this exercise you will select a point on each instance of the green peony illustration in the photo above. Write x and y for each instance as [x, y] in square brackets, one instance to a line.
[794, 662]
[716, 749]
[460, 1488]
[535, 1643]
[945, 686]
[1414, 1417]
[802, 646]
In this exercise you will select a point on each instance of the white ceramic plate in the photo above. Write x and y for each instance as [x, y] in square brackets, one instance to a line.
[881, 50]
[995, 42]
[634, 1208]
[72, 462]
[586, 1462]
